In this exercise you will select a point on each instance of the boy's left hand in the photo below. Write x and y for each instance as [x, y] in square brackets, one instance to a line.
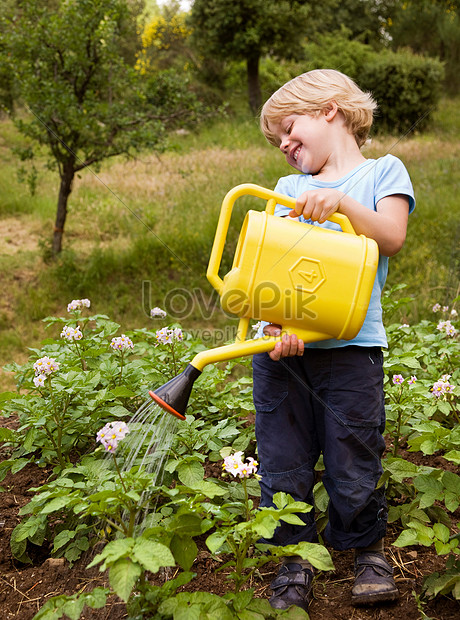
[317, 204]
[289, 346]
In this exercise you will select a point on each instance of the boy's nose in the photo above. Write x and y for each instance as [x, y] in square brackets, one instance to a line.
[284, 144]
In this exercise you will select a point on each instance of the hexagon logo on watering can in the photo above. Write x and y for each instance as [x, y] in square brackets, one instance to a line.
[307, 274]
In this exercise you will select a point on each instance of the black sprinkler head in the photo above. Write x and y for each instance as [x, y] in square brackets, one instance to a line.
[173, 396]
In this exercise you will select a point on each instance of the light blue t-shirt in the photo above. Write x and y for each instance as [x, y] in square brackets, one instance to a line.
[371, 181]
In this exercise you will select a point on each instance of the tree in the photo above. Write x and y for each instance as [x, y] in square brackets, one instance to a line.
[430, 27]
[247, 30]
[85, 101]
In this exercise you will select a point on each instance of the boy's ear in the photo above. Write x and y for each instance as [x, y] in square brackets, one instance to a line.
[330, 110]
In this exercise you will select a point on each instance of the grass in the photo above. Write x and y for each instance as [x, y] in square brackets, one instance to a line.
[140, 232]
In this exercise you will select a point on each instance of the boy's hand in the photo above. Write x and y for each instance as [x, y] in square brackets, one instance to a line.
[317, 204]
[289, 346]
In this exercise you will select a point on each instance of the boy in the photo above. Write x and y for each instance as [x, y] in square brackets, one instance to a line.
[328, 396]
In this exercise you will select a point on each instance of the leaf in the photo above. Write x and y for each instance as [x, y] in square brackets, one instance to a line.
[315, 553]
[190, 473]
[7, 434]
[406, 538]
[242, 599]
[123, 575]
[185, 551]
[451, 482]
[152, 555]
[441, 532]
[442, 548]
[56, 504]
[113, 551]
[454, 456]
[215, 541]
[401, 469]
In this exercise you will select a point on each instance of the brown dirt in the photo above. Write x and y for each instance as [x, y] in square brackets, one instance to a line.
[25, 588]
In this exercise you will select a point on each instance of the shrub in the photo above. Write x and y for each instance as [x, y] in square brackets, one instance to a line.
[406, 86]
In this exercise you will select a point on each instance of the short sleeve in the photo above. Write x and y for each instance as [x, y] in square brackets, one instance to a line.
[391, 178]
[283, 187]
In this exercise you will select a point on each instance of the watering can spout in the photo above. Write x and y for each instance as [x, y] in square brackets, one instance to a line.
[173, 396]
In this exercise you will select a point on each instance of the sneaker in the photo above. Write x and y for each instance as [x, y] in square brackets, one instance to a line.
[374, 581]
[292, 586]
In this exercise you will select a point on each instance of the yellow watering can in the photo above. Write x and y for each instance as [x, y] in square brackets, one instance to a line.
[314, 282]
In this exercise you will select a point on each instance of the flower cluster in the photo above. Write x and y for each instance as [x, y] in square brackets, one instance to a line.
[44, 367]
[168, 336]
[442, 387]
[438, 307]
[78, 304]
[399, 379]
[70, 333]
[111, 434]
[157, 313]
[235, 465]
[446, 326]
[121, 343]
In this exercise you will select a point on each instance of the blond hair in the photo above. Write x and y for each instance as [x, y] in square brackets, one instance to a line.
[310, 93]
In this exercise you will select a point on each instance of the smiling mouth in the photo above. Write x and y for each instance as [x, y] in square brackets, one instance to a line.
[296, 153]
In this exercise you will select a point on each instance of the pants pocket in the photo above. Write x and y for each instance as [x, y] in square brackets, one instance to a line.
[270, 383]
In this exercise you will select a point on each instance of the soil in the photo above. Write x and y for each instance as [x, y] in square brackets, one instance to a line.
[25, 588]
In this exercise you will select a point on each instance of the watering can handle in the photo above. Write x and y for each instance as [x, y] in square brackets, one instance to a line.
[273, 198]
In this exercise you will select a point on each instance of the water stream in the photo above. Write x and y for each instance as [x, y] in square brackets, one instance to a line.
[152, 431]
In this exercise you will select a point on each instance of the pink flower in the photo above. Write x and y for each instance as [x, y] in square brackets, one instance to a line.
[111, 434]
[122, 343]
[398, 379]
[45, 366]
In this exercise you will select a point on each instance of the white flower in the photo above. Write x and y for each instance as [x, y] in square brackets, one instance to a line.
[436, 308]
[453, 313]
[122, 343]
[77, 304]
[256, 326]
[70, 333]
[157, 312]
[45, 366]
[445, 308]
[403, 325]
[168, 336]
[111, 434]
[446, 326]
[235, 465]
[177, 333]
[39, 380]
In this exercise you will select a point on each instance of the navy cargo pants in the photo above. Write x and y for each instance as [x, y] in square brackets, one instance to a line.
[329, 401]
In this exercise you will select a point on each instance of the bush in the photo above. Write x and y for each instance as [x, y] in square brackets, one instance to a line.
[407, 87]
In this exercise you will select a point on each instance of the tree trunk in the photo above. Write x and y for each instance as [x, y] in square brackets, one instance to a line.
[68, 173]
[255, 95]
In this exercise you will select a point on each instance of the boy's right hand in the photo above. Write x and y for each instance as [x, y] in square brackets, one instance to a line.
[289, 346]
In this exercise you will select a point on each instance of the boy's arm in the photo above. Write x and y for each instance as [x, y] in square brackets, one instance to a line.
[387, 225]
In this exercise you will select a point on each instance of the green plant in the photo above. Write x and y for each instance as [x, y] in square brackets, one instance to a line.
[241, 526]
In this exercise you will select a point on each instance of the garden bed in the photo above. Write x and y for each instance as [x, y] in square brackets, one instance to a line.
[25, 588]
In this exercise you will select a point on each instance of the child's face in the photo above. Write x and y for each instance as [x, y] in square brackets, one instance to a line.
[304, 141]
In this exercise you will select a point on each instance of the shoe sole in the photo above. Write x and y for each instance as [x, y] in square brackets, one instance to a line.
[374, 599]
